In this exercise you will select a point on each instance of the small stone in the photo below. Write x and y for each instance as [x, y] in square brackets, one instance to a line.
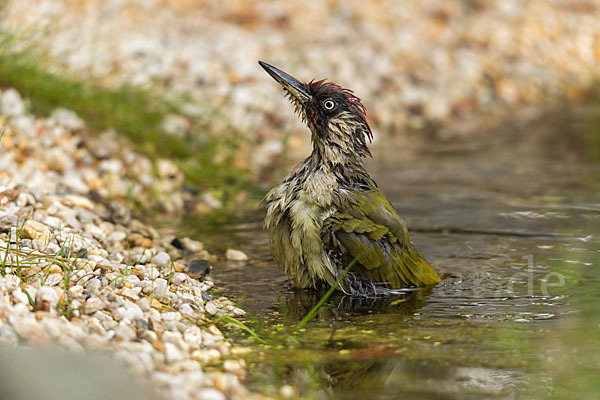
[76, 291]
[209, 394]
[131, 281]
[211, 308]
[130, 311]
[31, 330]
[172, 353]
[175, 124]
[147, 286]
[287, 392]
[178, 244]
[187, 310]
[193, 337]
[119, 213]
[132, 292]
[124, 332]
[144, 304]
[171, 316]
[137, 240]
[178, 278]
[213, 330]
[117, 236]
[151, 273]
[54, 279]
[53, 222]
[46, 299]
[235, 367]
[19, 296]
[211, 201]
[10, 282]
[205, 355]
[93, 285]
[149, 335]
[73, 222]
[111, 165]
[24, 199]
[94, 304]
[162, 259]
[141, 324]
[36, 231]
[95, 342]
[77, 201]
[10, 195]
[167, 169]
[11, 103]
[67, 118]
[236, 311]
[160, 288]
[193, 246]
[236, 255]
[198, 269]
[95, 326]
[174, 337]
[224, 382]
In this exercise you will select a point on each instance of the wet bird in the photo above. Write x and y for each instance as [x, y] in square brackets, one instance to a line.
[328, 212]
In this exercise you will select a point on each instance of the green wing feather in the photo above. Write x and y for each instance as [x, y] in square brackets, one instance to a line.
[366, 226]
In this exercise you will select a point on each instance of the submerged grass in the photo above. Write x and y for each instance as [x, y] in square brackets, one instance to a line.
[205, 154]
[328, 294]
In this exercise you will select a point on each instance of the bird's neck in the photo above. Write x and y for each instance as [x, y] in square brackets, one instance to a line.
[340, 141]
[349, 172]
[333, 158]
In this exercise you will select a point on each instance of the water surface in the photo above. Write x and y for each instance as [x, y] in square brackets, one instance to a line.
[509, 217]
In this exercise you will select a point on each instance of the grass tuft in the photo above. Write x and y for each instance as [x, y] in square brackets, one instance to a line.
[205, 154]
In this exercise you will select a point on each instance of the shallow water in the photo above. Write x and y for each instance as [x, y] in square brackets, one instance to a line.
[510, 219]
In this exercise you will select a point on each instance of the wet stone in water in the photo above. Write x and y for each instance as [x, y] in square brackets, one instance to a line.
[198, 269]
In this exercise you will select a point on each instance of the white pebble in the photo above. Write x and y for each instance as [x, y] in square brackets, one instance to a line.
[187, 310]
[130, 311]
[211, 308]
[93, 285]
[172, 353]
[162, 259]
[178, 278]
[150, 336]
[76, 291]
[160, 288]
[46, 299]
[132, 292]
[53, 222]
[151, 273]
[67, 118]
[209, 394]
[236, 255]
[117, 236]
[11, 103]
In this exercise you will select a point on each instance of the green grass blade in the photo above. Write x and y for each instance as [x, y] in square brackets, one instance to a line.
[316, 308]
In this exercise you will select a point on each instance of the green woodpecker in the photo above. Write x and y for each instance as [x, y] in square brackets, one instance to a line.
[328, 211]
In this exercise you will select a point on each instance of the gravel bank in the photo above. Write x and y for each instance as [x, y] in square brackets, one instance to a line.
[78, 272]
[414, 63]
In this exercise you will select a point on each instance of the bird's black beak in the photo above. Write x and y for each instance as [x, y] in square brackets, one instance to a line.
[294, 87]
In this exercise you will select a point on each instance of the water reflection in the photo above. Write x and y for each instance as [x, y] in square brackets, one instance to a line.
[298, 303]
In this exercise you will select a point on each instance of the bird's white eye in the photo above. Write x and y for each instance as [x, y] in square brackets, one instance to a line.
[329, 104]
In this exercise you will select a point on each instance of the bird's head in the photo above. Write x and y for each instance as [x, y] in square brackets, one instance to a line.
[335, 116]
